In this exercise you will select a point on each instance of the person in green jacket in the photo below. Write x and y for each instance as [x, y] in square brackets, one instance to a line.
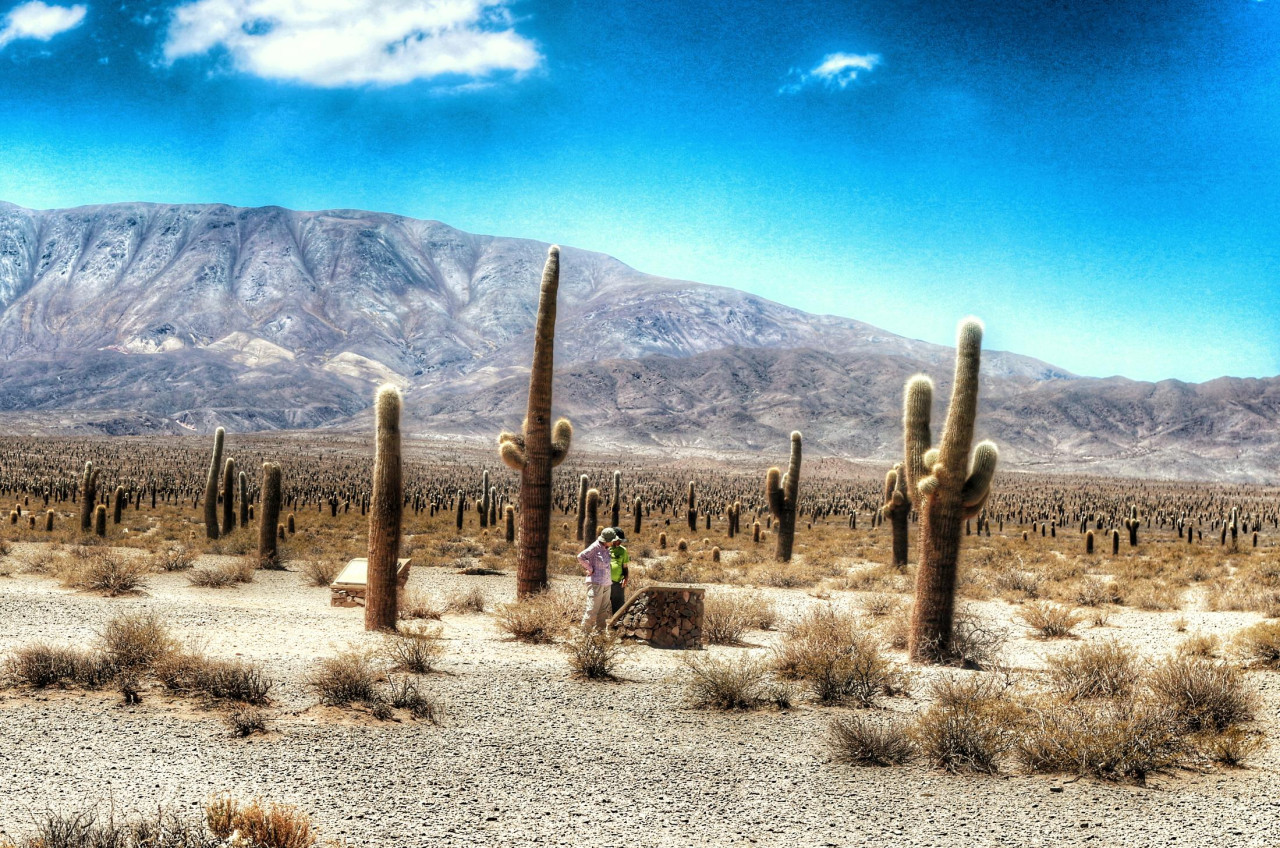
[619, 559]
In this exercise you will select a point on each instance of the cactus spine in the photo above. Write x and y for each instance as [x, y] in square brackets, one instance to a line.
[229, 496]
[386, 512]
[268, 553]
[783, 497]
[211, 486]
[88, 495]
[539, 446]
[897, 505]
[946, 489]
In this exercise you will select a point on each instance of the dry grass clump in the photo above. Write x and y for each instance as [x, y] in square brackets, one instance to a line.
[1234, 747]
[136, 642]
[414, 649]
[541, 619]
[1103, 669]
[192, 673]
[1049, 620]
[732, 684]
[596, 654]
[1202, 694]
[407, 694]
[880, 578]
[245, 720]
[108, 572]
[417, 604]
[826, 649]
[467, 601]
[1112, 739]
[970, 726]
[43, 664]
[976, 643]
[726, 617]
[1149, 595]
[176, 558]
[259, 825]
[320, 572]
[350, 677]
[167, 829]
[223, 575]
[860, 741]
[881, 604]
[1199, 645]
[1259, 645]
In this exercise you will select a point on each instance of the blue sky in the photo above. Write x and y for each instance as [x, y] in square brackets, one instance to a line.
[1099, 181]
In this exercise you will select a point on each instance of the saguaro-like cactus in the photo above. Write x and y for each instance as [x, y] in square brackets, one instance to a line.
[692, 513]
[386, 511]
[539, 446]
[244, 499]
[484, 499]
[100, 520]
[897, 506]
[462, 505]
[1132, 524]
[591, 527]
[211, 486]
[947, 491]
[117, 505]
[229, 495]
[616, 514]
[509, 512]
[88, 496]
[637, 515]
[782, 492]
[582, 505]
[268, 553]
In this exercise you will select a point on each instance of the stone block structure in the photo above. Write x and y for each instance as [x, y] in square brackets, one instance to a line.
[348, 590]
[663, 616]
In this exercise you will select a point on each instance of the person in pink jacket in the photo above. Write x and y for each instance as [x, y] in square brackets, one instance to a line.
[595, 562]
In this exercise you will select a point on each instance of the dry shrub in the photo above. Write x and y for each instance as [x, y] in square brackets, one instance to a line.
[466, 601]
[672, 570]
[538, 620]
[1093, 593]
[1111, 739]
[1259, 645]
[825, 649]
[788, 575]
[732, 684]
[221, 679]
[1103, 669]
[1148, 595]
[135, 642]
[897, 629]
[417, 604]
[1202, 694]
[970, 726]
[976, 643]
[168, 829]
[880, 604]
[407, 694]
[43, 664]
[1200, 645]
[862, 742]
[176, 558]
[107, 572]
[881, 578]
[1233, 748]
[596, 654]
[223, 575]
[414, 649]
[320, 572]
[347, 678]
[1050, 620]
[259, 825]
[725, 618]
[245, 720]
[1018, 584]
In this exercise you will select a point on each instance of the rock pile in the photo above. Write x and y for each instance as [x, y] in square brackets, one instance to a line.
[663, 616]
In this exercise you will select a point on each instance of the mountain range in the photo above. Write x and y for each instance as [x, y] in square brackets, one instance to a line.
[138, 318]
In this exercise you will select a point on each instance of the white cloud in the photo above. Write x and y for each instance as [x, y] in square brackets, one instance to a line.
[332, 43]
[836, 70]
[40, 22]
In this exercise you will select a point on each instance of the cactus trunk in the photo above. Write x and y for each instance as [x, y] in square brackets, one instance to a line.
[211, 486]
[268, 553]
[386, 512]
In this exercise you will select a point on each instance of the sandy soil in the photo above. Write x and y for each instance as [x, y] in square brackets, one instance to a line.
[528, 755]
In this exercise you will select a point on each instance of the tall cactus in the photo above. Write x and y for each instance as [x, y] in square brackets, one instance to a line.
[268, 554]
[615, 517]
[947, 491]
[211, 486]
[583, 485]
[229, 495]
[88, 496]
[637, 515]
[244, 499]
[783, 496]
[117, 505]
[1132, 524]
[692, 512]
[484, 500]
[539, 446]
[386, 512]
[591, 527]
[897, 506]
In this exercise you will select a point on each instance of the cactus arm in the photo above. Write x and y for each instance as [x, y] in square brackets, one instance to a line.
[957, 434]
[511, 451]
[791, 482]
[561, 437]
[917, 405]
[773, 491]
[978, 486]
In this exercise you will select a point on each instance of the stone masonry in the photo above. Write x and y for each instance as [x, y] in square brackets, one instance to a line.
[663, 616]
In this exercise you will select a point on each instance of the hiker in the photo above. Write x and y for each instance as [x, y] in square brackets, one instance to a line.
[619, 572]
[595, 562]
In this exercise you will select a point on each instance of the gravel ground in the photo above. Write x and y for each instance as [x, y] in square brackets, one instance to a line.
[527, 755]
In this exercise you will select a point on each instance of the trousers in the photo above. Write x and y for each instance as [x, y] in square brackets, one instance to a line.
[596, 616]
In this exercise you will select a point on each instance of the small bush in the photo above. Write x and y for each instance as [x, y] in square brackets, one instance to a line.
[43, 665]
[176, 558]
[223, 575]
[345, 679]
[725, 618]
[1260, 644]
[245, 720]
[415, 649]
[259, 825]
[1112, 739]
[467, 601]
[1104, 669]
[880, 604]
[1201, 693]
[727, 684]
[862, 742]
[970, 727]
[1050, 620]
[320, 572]
[228, 680]
[976, 643]
[108, 572]
[416, 604]
[406, 694]
[136, 642]
[1200, 645]
[540, 619]
[1233, 748]
[596, 654]
[825, 650]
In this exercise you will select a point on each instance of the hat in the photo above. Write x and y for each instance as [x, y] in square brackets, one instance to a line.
[608, 535]
[619, 535]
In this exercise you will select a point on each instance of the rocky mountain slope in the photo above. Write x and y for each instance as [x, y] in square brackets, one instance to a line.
[142, 317]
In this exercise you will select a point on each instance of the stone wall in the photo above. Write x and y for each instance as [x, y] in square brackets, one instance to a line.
[663, 616]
